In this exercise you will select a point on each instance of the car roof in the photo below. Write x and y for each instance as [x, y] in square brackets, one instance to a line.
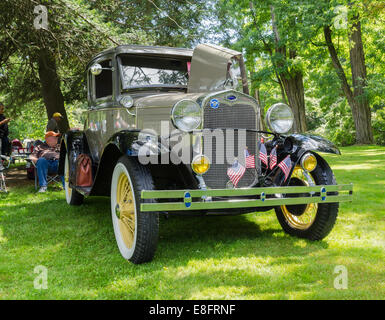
[145, 50]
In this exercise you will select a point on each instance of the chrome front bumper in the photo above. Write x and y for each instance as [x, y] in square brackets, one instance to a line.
[256, 197]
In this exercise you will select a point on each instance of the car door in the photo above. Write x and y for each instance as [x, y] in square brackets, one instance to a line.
[99, 125]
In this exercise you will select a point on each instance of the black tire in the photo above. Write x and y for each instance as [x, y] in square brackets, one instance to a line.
[146, 224]
[73, 197]
[326, 214]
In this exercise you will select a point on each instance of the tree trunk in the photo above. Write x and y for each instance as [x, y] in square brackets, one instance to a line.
[283, 94]
[361, 117]
[293, 84]
[292, 81]
[364, 133]
[50, 87]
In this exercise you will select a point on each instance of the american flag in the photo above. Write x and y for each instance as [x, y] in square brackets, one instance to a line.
[285, 165]
[249, 159]
[273, 158]
[263, 154]
[236, 172]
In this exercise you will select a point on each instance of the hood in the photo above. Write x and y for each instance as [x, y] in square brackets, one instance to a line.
[209, 68]
[165, 99]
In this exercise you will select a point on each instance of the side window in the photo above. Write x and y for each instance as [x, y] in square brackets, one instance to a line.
[103, 81]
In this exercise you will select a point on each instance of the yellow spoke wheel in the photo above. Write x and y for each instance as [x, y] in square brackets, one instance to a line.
[125, 210]
[311, 221]
[136, 232]
[67, 179]
[300, 216]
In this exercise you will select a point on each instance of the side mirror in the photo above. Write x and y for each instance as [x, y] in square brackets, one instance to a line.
[96, 69]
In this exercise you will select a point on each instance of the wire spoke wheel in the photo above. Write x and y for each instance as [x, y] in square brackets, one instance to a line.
[125, 210]
[300, 216]
[311, 221]
[67, 179]
[136, 232]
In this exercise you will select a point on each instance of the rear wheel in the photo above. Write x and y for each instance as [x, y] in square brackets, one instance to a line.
[73, 197]
[312, 221]
[136, 232]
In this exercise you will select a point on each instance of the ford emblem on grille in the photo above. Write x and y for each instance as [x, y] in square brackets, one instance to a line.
[214, 103]
[231, 97]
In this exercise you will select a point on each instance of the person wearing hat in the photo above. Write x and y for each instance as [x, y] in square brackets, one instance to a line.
[53, 124]
[4, 142]
[46, 158]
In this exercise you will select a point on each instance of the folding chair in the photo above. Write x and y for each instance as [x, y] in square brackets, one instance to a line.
[51, 177]
[3, 186]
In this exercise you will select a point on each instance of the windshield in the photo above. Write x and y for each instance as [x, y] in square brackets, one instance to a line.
[139, 71]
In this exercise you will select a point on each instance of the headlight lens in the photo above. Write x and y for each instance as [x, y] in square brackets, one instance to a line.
[186, 115]
[279, 118]
[200, 164]
[309, 162]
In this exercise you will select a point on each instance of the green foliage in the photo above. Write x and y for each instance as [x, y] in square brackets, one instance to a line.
[379, 126]
[247, 26]
[29, 122]
[169, 23]
[77, 30]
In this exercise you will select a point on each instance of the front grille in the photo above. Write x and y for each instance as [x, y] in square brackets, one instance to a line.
[237, 116]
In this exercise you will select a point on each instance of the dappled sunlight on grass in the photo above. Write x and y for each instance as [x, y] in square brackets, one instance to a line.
[2, 238]
[363, 166]
[221, 292]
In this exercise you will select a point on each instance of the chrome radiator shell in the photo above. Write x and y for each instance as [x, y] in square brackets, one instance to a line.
[239, 113]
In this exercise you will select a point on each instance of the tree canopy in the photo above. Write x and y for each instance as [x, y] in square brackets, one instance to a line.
[324, 58]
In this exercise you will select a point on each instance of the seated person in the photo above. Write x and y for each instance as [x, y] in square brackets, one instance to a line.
[46, 158]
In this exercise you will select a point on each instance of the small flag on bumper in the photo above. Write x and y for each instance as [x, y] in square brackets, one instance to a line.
[249, 159]
[263, 154]
[285, 165]
[273, 158]
[236, 172]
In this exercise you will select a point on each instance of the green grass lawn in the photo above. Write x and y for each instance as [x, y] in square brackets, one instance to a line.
[241, 257]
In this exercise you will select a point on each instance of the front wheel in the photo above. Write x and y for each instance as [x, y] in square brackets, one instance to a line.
[312, 221]
[136, 232]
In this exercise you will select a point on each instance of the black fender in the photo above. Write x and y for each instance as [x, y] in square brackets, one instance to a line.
[120, 143]
[131, 143]
[309, 142]
[134, 142]
[301, 144]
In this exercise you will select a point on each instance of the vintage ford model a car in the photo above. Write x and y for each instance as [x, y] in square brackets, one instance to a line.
[148, 140]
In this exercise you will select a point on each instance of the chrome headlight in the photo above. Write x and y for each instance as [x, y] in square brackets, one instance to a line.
[186, 115]
[127, 101]
[279, 118]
